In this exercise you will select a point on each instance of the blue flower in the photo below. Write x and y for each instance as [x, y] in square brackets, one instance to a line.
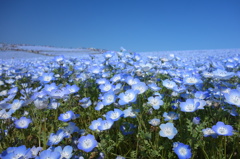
[127, 97]
[66, 116]
[107, 86]
[155, 102]
[221, 129]
[191, 80]
[169, 84]
[95, 124]
[168, 130]
[196, 120]
[127, 128]
[66, 152]
[72, 89]
[17, 152]
[46, 77]
[49, 155]
[105, 124]
[87, 143]
[233, 97]
[154, 122]
[22, 123]
[154, 87]
[209, 132]
[189, 106]
[85, 102]
[222, 74]
[182, 151]
[108, 98]
[71, 128]
[170, 116]
[114, 115]
[141, 87]
[54, 139]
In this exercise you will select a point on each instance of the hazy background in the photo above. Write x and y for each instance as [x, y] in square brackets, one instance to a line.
[154, 25]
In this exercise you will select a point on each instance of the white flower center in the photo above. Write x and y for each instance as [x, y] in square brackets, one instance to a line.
[222, 130]
[167, 131]
[87, 143]
[183, 151]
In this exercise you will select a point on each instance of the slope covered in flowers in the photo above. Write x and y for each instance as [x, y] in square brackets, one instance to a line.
[121, 105]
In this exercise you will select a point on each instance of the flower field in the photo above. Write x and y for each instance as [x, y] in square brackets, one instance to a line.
[120, 105]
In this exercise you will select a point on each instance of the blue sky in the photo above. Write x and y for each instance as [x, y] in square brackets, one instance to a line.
[137, 25]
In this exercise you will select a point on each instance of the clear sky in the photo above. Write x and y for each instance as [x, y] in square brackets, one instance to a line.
[137, 25]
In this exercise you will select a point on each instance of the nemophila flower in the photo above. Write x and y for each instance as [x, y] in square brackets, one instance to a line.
[59, 58]
[189, 106]
[54, 139]
[170, 116]
[72, 89]
[16, 153]
[221, 129]
[201, 94]
[106, 87]
[66, 152]
[87, 143]
[129, 112]
[4, 114]
[35, 151]
[155, 102]
[131, 80]
[154, 122]
[49, 87]
[108, 54]
[58, 93]
[85, 102]
[180, 88]
[13, 90]
[105, 124]
[127, 128]
[109, 98]
[168, 130]
[120, 157]
[233, 97]
[141, 87]
[116, 78]
[41, 103]
[16, 104]
[114, 115]
[99, 106]
[22, 123]
[48, 154]
[196, 120]
[209, 132]
[65, 117]
[95, 124]
[191, 80]
[201, 103]
[127, 97]
[154, 87]
[101, 81]
[71, 128]
[117, 88]
[95, 69]
[46, 77]
[222, 74]
[169, 84]
[182, 151]
[53, 104]
[207, 74]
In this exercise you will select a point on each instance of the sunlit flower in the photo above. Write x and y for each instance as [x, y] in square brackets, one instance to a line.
[182, 151]
[87, 143]
[22, 123]
[168, 130]
[221, 129]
